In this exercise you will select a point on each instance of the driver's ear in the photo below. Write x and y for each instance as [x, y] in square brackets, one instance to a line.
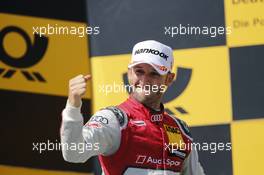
[169, 79]
[129, 72]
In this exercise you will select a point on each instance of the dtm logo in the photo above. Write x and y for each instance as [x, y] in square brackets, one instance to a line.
[175, 89]
[33, 54]
[156, 118]
[143, 159]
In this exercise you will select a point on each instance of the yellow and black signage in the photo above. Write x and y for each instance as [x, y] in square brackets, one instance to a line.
[34, 72]
[218, 88]
[40, 63]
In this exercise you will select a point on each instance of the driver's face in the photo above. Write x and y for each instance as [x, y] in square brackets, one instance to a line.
[146, 77]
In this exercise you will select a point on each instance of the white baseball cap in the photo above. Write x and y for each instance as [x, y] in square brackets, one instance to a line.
[154, 53]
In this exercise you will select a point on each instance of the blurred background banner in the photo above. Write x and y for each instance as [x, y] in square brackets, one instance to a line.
[34, 74]
[218, 90]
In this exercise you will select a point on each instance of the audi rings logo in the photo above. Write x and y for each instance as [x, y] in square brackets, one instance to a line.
[33, 54]
[156, 118]
[100, 119]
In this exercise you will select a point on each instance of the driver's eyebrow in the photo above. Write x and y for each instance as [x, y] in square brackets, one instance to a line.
[151, 71]
[138, 66]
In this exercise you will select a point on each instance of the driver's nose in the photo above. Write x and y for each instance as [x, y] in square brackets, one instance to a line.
[145, 80]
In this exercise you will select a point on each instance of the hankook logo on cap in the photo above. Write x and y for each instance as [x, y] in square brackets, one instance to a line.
[152, 51]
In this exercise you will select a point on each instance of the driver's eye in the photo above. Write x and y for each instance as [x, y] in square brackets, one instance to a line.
[139, 71]
[154, 74]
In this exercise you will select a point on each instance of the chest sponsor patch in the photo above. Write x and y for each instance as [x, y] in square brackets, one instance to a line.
[156, 117]
[174, 135]
[138, 122]
[143, 159]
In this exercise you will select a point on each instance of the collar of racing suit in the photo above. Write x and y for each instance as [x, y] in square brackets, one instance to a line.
[147, 110]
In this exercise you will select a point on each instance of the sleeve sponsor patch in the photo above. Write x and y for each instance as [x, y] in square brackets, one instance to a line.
[120, 115]
[100, 119]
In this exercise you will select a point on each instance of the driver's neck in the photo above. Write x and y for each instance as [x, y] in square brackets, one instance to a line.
[154, 104]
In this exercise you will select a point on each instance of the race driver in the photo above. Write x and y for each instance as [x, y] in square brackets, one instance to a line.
[136, 137]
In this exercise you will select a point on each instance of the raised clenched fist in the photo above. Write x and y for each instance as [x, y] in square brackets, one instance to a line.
[77, 89]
